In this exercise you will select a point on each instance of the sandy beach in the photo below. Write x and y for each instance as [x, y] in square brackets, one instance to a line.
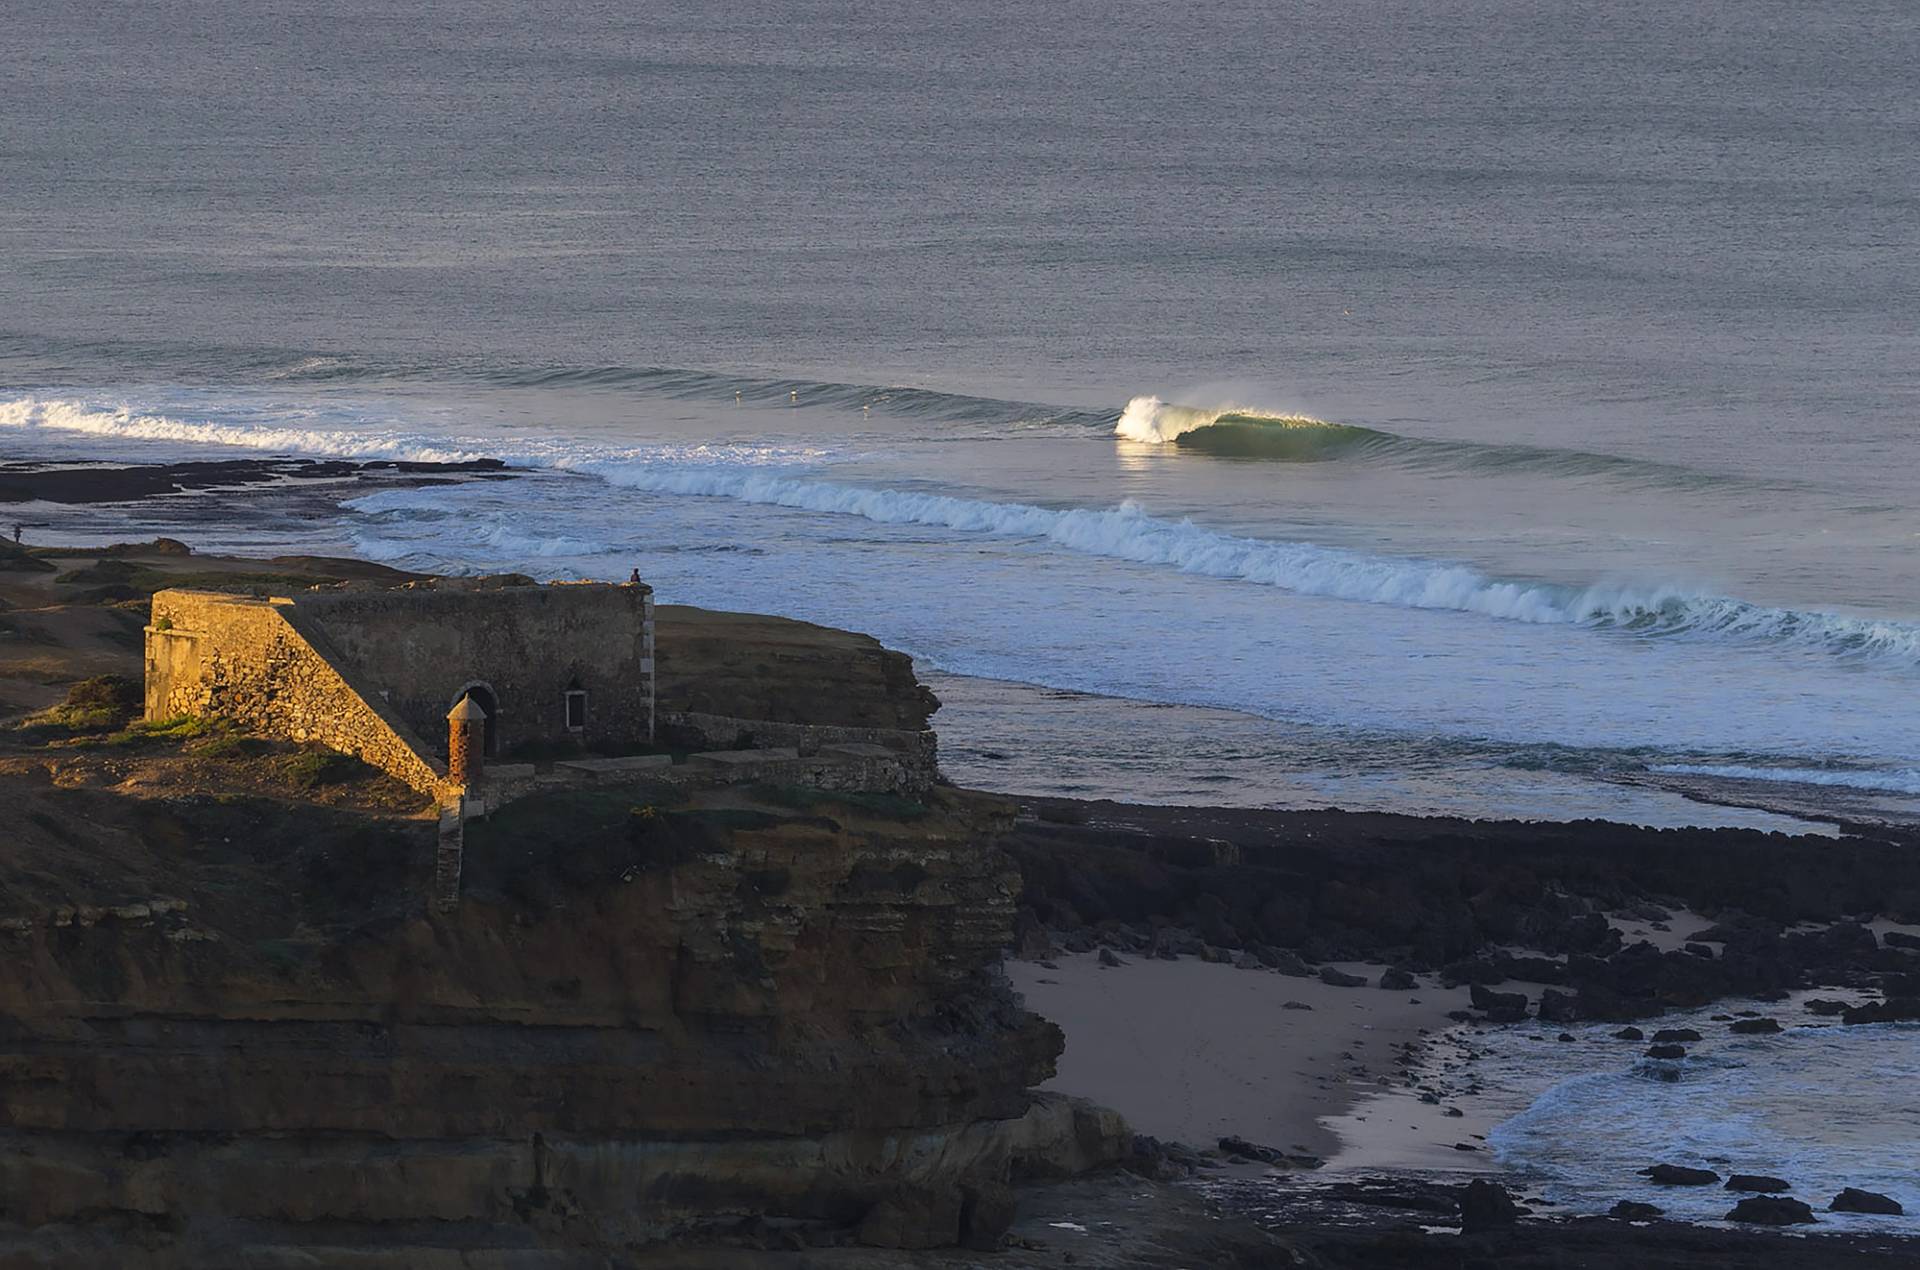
[1193, 1051]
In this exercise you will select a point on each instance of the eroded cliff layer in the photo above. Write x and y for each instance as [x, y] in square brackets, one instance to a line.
[649, 1012]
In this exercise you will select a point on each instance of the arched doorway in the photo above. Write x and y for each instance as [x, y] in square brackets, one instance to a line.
[483, 697]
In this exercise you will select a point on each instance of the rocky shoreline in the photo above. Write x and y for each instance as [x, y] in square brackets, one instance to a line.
[1579, 925]
[72, 482]
[1544, 927]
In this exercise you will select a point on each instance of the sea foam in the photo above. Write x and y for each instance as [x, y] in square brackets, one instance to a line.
[1895, 781]
[1128, 532]
[56, 415]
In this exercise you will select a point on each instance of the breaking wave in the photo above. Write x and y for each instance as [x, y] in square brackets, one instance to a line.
[1128, 532]
[121, 422]
[763, 475]
[1896, 781]
[1243, 432]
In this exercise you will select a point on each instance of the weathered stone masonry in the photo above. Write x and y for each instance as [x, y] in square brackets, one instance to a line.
[220, 656]
[373, 674]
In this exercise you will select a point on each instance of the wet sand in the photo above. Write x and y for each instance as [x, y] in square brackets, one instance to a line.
[1192, 1051]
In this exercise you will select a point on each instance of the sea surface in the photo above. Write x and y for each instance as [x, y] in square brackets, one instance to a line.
[1462, 405]
[1575, 1115]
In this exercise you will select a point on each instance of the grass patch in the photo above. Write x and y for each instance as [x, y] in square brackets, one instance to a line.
[93, 706]
[229, 745]
[312, 769]
[807, 798]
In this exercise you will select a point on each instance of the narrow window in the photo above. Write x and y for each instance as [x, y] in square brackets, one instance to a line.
[576, 710]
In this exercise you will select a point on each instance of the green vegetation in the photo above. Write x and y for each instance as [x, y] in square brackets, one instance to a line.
[181, 727]
[96, 705]
[312, 768]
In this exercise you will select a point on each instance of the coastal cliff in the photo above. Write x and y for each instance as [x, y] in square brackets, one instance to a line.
[740, 1015]
[643, 1020]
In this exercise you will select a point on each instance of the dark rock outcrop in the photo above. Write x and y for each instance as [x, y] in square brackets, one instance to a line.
[1853, 1200]
[1772, 1210]
[1633, 1210]
[1486, 1205]
[1758, 1182]
[1892, 1010]
[1451, 897]
[1499, 1007]
[1754, 1027]
[1679, 1175]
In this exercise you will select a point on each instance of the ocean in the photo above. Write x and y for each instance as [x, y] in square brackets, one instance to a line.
[1467, 406]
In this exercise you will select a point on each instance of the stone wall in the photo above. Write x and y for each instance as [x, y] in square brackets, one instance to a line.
[229, 657]
[914, 753]
[420, 649]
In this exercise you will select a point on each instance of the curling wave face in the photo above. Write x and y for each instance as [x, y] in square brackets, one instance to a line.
[1243, 432]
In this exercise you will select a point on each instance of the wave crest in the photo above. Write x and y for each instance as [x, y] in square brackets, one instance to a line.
[53, 415]
[1155, 422]
[1128, 532]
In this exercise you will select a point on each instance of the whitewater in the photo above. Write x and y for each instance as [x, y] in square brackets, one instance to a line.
[1380, 611]
[1124, 532]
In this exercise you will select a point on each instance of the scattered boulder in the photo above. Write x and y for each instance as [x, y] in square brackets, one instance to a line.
[1288, 963]
[1854, 1200]
[1679, 1175]
[1826, 1007]
[1295, 1005]
[1755, 1027]
[1340, 978]
[1633, 1210]
[1110, 958]
[1771, 1210]
[1667, 1034]
[1900, 939]
[1757, 1182]
[1247, 961]
[1499, 1007]
[1558, 1007]
[1629, 1034]
[1700, 950]
[1397, 979]
[1486, 1205]
[1666, 1051]
[1892, 1010]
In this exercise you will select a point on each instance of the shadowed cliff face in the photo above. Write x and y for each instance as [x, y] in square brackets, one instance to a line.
[762, 1000]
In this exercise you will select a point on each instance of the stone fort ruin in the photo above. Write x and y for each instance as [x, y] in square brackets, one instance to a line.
[478, 696]
[533, 670]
